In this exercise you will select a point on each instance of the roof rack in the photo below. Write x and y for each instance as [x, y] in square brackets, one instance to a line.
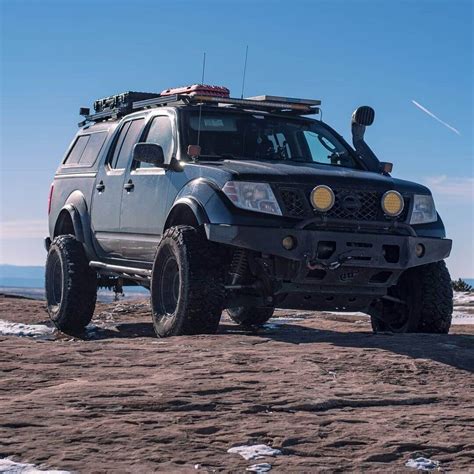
[114, 108]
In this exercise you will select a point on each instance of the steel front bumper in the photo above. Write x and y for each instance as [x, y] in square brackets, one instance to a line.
[370, 250]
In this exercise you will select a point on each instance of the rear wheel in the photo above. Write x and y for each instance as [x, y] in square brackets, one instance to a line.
[187, 290]
[250, 316]
[422, 301]
[70, 284]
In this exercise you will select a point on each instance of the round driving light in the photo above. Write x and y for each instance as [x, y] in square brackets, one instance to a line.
[322, 198]
[289, 242]
[419, 250]
[392, 203]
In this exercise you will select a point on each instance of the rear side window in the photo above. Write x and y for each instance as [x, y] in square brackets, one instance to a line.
[129, 135]
[86, 148]
[77, 150]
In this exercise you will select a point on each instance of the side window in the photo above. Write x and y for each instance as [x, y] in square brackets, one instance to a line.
[129, 135]
[93, 147]
[77, 149]
[160, 132]
[320, 147]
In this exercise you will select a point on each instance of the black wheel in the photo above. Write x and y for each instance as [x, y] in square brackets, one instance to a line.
[70, 284]
[250, 317]
[422, 301]
[187, 291]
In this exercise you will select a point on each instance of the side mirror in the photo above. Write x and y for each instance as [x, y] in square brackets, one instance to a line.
[149, 153]
[363, 115]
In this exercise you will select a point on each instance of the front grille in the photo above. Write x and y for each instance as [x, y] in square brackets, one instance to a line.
[350, 204]
[358, 205]
[294, 203]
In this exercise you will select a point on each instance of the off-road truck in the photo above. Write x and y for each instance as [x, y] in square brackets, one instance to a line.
[218, 203]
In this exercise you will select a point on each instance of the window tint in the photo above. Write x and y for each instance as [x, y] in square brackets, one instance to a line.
[119, 143]
[160, 132]
[265, 137]
[129, 135]
[78, 148]
[94, 145]
[325, 150]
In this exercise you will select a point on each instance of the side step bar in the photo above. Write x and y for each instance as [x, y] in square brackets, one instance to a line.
[140, 274]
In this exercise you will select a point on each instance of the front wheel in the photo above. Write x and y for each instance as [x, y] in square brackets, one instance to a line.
[421, 301]
[250, 316]
[70, 284]
[187, 290]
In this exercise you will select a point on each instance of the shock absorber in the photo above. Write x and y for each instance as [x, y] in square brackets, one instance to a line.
[239, 265]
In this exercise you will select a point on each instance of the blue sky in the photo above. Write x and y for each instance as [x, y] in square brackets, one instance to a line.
[60, 55]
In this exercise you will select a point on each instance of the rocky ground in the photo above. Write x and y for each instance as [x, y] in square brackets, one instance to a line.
[320, 388]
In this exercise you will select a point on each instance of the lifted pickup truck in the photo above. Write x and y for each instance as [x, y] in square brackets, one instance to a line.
[218, 203]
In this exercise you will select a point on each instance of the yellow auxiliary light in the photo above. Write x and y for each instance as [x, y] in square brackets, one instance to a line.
[322, 198]
[392, 203]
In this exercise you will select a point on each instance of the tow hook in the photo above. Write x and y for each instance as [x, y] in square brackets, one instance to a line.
[316, 264]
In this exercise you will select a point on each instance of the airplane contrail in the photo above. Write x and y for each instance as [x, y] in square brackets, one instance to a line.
[431, 114]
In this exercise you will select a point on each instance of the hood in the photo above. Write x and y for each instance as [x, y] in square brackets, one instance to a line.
[314, 174]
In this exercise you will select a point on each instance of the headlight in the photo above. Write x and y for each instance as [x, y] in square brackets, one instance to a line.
[424, 210]
[257, 197]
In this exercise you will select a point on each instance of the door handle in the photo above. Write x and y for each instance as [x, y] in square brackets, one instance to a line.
[129, 186]
[100, 187]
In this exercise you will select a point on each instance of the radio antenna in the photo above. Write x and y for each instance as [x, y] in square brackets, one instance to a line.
[245, 70]
[200, 105]
[203, 68]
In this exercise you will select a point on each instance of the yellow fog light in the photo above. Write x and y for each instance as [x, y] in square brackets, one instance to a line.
[289, 242]
[392, 203]
[322, 198]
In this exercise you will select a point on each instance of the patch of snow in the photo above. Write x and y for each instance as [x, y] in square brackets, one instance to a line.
[257, 451]
[7, 466]
[347, 313]
[423, 464]
[261, 467]
[463, 297]
[276, 322]
[462, 318]
[38, 331]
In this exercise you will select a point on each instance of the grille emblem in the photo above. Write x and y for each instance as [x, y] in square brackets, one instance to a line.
[351, 203]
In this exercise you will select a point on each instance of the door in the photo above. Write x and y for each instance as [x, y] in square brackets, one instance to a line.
[105, 211]
[144, 196]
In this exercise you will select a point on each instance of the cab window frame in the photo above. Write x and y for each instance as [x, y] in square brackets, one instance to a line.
[143, 139]
[119, 141]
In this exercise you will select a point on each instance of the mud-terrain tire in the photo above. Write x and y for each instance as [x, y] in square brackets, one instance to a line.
[70, 284]
[249, 317]
[428, 293]
[187, 289]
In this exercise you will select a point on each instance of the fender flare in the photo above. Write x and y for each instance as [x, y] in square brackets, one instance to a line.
[77, 208]
[194, 205]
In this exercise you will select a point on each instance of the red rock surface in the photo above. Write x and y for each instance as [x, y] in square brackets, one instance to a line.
[324, 390]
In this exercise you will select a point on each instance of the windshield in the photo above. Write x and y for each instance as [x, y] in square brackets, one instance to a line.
[248, 136]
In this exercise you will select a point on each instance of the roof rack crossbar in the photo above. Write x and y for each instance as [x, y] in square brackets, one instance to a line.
[258, 104]
[262, 103]
[157, 101]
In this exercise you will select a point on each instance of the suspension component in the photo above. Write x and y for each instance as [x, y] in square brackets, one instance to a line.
[239, 266]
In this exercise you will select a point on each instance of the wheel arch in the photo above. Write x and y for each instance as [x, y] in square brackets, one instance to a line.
[74, 219]
[186, 211]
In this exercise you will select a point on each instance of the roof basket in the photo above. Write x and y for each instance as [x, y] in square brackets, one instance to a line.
[119, 105]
